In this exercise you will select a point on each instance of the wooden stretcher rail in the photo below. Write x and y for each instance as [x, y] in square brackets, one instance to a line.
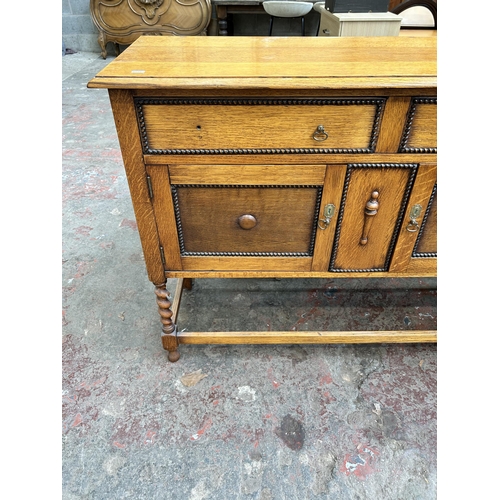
[314, 337]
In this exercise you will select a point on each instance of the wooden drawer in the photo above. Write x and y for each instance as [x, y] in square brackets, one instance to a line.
[238, 216]
[253, 126]
[420, 131]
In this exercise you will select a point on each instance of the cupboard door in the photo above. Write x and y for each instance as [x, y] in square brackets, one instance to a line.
[416, 248]
[373, 204]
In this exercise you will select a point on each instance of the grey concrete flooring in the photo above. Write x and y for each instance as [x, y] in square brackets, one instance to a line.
[349, 422]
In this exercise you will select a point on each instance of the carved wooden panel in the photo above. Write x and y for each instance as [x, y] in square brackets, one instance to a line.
[123, 21]
[257, 221]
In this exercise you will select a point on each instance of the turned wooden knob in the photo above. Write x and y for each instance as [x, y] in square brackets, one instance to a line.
[371, 209]
[247, 221]
[372, 204]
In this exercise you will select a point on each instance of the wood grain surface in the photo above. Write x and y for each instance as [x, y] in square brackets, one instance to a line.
[334, 62]
[286, 337]
[219, 126]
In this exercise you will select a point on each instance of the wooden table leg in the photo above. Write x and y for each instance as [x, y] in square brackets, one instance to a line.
[221, 11]
[102, 40]
[169, 328]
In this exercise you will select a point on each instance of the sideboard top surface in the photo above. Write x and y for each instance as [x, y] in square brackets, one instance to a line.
[273, 62]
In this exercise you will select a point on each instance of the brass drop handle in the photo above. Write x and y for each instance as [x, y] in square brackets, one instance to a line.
[415, 212]
[320, 134]
[371, 209]
[412, 226]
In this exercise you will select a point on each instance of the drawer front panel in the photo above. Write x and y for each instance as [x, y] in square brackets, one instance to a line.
[246, 221]
[420, 132]
[373, 204]
[253, 126]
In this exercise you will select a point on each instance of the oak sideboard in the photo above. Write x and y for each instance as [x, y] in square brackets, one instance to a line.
[294, 157]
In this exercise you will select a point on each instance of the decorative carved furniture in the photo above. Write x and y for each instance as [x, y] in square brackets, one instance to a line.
[279, 157]
[358, 24]
[123, 21]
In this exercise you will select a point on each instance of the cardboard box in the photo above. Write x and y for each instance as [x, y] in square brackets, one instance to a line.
[359, 24]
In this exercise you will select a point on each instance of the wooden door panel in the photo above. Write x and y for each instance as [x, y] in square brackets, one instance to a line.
[416, 247]
[373, 204]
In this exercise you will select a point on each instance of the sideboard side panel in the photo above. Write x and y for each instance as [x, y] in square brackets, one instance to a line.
[128, 135]
[163, 205]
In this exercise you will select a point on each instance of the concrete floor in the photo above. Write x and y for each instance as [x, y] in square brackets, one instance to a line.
[237, 422]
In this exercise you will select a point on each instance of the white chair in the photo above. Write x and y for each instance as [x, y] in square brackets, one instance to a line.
[286, 8]
[318, 6]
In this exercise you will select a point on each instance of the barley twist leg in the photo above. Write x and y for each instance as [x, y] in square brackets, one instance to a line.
[169, 328]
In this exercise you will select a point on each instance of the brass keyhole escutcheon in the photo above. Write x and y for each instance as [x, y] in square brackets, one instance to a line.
[328, 212]
[247, 221]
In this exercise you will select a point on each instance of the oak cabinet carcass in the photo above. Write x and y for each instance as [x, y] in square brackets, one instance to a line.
[297, 157]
